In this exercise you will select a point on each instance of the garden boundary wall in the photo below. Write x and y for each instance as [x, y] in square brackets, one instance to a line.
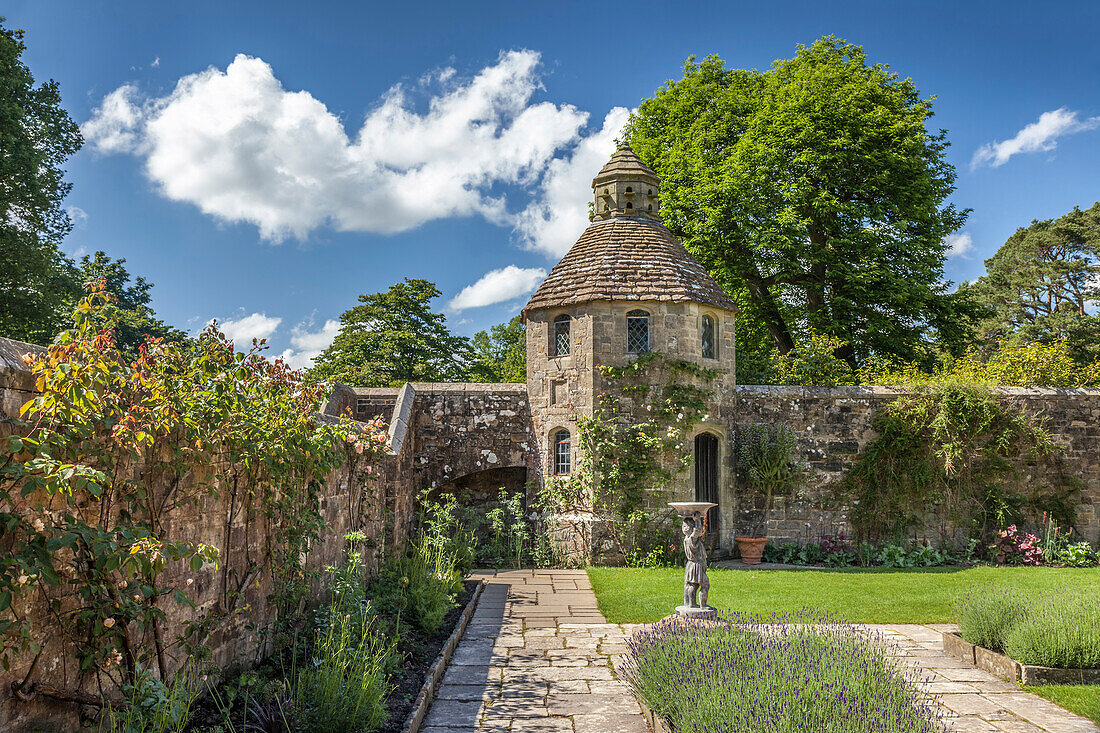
[833, 425]
[240, 599]
[457, 434]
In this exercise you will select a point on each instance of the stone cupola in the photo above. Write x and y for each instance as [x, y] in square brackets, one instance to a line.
[625, 187]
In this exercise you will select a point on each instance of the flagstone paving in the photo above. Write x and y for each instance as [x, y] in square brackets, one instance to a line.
[538, 657]
[973, 699]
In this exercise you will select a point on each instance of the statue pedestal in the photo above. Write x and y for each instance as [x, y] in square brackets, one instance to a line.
[697, 611]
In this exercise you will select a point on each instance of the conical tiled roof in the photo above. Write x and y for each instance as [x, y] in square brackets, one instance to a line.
[625, 163]
[625, 259]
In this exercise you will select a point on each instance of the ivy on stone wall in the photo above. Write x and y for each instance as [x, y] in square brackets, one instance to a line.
[636, 442]
[112, 452]
[952, 452]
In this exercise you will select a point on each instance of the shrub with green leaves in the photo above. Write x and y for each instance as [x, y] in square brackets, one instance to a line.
[343, 688]
[419, 587]
[445, 529]
[152, 706]
[1077, 555]
[985, 618]
[1062, 632]
[953, 452]
[1059, 631]
[765, 455]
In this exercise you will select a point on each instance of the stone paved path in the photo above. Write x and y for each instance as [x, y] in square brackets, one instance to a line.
[538, 657]
[974, 699]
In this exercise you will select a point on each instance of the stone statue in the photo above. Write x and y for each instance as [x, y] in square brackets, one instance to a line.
[696, 582]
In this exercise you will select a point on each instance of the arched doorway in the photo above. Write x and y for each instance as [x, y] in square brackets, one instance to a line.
[706, 481]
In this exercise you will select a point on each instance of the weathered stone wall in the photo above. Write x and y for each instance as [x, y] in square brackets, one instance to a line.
[834, 425]
[451, 432]
[238, 592]
[565, 387]
[560, 387]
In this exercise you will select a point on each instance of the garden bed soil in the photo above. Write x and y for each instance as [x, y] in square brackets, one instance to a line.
[419, 651]
[1010, 670]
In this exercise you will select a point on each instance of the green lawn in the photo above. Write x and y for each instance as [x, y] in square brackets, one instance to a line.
[631, 595]
[1081, 699]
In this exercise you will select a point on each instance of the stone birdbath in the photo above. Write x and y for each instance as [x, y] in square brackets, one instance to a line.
[696, 583]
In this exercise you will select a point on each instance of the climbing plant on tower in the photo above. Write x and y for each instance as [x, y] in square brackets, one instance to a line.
[635, 442]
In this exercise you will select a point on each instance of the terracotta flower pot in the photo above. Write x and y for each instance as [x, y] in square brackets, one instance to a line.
[752, 549]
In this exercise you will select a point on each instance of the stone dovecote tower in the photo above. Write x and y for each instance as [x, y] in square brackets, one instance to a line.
[625, 288]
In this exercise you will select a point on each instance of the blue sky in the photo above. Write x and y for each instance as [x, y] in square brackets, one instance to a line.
[265, 163]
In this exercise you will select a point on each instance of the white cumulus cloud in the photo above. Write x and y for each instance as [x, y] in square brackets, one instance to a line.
[1039, 136]
[116, 122]
[498, 286]
[242, 148]
[959, 244]
[309, 344]
[554, 220]
[242, 330]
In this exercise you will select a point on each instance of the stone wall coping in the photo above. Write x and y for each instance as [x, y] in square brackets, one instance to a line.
[14, 374]
[792, 390]
[470, 387]
[434, 387]
[401, 417]
[374, 391]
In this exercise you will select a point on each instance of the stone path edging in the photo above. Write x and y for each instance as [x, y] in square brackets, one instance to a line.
[424, 698]
[1010, 670]
[538, 657]
[972, 698]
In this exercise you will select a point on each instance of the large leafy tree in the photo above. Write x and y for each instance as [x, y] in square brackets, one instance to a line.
[1043, 285]
[134, 318]
[394, 337]
[500, 354]
[37, 282]
[815, 194]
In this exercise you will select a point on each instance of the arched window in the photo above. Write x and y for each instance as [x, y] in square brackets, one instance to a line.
[710, 345]
[561, 336]
[637, 332]
[629, 189]
[562, 456]
[629, 205]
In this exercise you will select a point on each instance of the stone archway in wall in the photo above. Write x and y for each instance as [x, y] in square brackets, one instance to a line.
[482, 488]
[478, 493]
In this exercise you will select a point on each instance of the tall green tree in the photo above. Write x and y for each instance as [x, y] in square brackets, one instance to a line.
[1043, 285]
[816, 194]
[37, 282]
[395, 337]
[135, 319]
[500, 354]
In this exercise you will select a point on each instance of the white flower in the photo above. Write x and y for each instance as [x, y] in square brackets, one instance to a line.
[108, 623]
[38, 525]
